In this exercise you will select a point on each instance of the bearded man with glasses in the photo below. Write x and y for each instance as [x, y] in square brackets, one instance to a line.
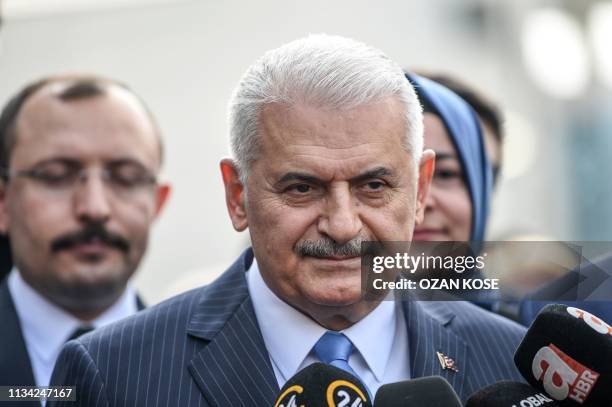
[79, 158]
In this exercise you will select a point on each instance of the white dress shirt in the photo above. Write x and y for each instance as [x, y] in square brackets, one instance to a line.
[381, 338]
[46, 327]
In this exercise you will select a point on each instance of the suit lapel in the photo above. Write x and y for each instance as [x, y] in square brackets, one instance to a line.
[15, 365]
[234, 369]
[429, 334]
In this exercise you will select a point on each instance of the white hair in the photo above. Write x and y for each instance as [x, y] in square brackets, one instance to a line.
[320, 70]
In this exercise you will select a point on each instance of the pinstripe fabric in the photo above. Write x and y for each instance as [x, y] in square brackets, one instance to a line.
[15, 365]
[204, 348]
[482, 344]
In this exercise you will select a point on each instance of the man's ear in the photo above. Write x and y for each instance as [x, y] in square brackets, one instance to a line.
[234, 196]
[4, 223]
[163, 192]
[426, 170]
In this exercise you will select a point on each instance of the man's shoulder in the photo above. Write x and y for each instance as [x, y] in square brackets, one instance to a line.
[8, 313]
[5, 297]
[123, 357]
[172, 311]
[472, 316]
[15, 366]
[468, 316]
[173, 317]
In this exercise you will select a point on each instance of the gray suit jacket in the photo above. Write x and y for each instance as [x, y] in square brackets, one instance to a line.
[204, 348]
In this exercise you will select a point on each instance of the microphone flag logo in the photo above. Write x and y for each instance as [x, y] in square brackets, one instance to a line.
[446, 362]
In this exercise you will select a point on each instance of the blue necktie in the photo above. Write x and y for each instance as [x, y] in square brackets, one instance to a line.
[334, 349]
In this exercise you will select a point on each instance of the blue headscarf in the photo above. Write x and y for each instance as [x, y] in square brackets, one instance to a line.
[464, 130]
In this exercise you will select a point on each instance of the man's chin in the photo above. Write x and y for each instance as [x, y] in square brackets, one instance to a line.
[82, 297]
[90, 269]
[338, 298]
[82, 281]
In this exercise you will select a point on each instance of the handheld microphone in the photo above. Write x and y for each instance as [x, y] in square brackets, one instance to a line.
[433, 391]
[510, 394]
[321, 385]
[567, 352]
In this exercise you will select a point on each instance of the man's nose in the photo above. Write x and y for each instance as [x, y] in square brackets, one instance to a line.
[340, 219]
[92, 200]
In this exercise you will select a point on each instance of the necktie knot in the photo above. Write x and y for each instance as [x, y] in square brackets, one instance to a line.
[333, 346]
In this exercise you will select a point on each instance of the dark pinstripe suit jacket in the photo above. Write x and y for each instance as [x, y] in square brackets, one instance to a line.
[204, 348]
[15, 364]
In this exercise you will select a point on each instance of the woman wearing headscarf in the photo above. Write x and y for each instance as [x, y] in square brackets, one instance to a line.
[460, 193]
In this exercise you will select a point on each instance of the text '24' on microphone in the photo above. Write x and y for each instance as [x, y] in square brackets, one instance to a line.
[567, 352]
[321, 385]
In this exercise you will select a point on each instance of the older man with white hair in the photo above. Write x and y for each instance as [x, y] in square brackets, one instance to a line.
[327, 143]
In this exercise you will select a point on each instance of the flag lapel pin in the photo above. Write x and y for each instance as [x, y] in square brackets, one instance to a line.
[446, 362]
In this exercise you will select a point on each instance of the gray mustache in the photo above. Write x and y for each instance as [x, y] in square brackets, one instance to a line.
[327, 247]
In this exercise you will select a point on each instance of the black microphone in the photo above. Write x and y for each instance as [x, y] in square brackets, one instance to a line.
[510, 394]
[321, 385]
[567, 353]
[433, 391]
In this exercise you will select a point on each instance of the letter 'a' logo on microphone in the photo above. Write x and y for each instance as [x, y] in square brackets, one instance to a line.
[562, 376]
[342, 393]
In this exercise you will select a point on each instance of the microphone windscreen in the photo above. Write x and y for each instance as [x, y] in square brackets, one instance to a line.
[321, 385]
[567, 353]
[510, 394]
[433, 391]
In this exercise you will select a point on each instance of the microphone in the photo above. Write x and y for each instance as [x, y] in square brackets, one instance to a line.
[567, 352]
[321, 385]
[510, 394]
[433, 391]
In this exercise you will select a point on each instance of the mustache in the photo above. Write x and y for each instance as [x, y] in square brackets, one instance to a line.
[91, 231]
[327, 247]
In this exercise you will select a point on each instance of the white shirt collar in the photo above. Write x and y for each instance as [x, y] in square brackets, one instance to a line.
[46, 327]
[290, 335]
[373, 337]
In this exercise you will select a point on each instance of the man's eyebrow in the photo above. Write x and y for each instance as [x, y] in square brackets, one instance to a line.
[311, 179]
[298, 176]
[375, 173]
[56, 160]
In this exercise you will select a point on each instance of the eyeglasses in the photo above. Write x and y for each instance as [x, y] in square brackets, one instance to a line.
[122, 177]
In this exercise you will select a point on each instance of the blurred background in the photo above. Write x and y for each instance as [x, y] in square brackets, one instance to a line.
[547, 63]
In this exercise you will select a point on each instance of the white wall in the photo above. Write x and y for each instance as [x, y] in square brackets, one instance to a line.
[184, 57]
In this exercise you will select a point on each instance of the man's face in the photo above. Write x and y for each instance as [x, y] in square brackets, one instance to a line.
[327, 178]
[78, 242]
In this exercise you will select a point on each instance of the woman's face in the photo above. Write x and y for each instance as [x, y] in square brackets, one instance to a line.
[448, 210]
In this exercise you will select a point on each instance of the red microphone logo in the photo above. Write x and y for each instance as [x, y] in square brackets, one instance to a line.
[562, 376]
[591, 320]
